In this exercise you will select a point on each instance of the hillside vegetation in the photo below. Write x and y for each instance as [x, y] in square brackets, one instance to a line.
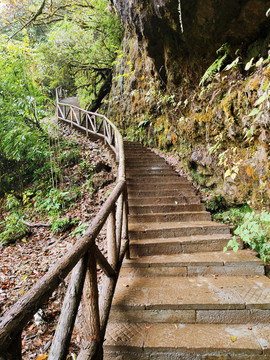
[44, 45]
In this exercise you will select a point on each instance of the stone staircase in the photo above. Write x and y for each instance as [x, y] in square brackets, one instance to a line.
[179, 296]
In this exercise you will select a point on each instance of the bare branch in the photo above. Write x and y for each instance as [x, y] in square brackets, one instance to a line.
[36, 15]
[36, 225]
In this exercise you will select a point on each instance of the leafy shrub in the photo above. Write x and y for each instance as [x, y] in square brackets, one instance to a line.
[63, 224]
[23, 143]
[85, 168]
[55, 202]
[13, 228]
[216, 66]
[255, 232]
[80, 230]
[69, 158]
[234, 216]
[215, 204]
[12, 202]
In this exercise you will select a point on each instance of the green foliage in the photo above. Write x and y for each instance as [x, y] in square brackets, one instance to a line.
[233, 243]
[255, 232]
[215, 204]
[12, 202]
[69, 43]
[55, 201]
[75, 49]
[79, 51]
[145, 122]
[258, 109]
[85, 168]
[80, 230]
[216, 65]
[12, 227]
[63, 224]
[23, 145]
[69, 157]
[233, 64]
[234, 216]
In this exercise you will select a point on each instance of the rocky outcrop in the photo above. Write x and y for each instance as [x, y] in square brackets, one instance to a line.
[157, 99]
[180, 34]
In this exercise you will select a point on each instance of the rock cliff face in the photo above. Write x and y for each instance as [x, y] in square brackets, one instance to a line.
[157, 99]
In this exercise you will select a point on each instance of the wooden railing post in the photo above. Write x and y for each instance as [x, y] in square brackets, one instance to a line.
[111, 240]
[86, 125]
[119, 221]
[125, 222]
[91, 308]
[71, 116]
[62, 336]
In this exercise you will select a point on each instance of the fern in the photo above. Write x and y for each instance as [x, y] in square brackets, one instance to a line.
[216, 66]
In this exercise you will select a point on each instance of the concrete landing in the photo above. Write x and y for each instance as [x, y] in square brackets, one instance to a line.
[244, 263]
[179, 296]
[187, 341]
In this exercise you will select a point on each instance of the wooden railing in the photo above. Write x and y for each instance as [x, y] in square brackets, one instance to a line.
[81, 260]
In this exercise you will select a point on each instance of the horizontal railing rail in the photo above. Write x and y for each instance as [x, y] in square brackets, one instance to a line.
[81, 261]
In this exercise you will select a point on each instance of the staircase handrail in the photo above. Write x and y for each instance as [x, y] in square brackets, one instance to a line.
[81, 259]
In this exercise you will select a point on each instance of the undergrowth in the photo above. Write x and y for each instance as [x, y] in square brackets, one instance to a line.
[50, 196]
[253, 229]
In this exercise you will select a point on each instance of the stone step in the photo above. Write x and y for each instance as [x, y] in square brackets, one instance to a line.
[136, 155]
[129, 145]
[164, 200]
[142, 165]
[191, 244]
[172, 229]
[149, 160]
[130, 174]
[212, 299]
[157, 179]
[243, 263]
[165, 185]
[133, 194]
[170, 217]
[140, 341]
[137, 149]
[180, 297]
[154, 209]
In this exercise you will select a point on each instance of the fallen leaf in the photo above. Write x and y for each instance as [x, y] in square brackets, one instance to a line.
[42, 357]
[233, 338]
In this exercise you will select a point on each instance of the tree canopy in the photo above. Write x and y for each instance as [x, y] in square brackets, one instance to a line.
[75, 41]
[45, 44]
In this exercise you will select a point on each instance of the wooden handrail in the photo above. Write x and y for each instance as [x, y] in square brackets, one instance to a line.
[88, 122]
[81, 259]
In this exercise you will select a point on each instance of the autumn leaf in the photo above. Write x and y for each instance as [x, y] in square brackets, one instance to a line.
[233, 338]
[42, 357]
